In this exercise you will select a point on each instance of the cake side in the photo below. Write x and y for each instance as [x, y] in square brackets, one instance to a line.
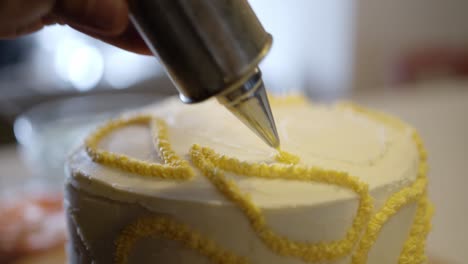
[285, 220]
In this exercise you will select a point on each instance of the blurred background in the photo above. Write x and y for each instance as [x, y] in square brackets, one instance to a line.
[409, 58]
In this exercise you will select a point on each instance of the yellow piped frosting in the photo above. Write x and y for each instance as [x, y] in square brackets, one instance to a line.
[170, 229]
[174, 167]
[286, 157]
[207, 161]
[361, 235]
[413, 249]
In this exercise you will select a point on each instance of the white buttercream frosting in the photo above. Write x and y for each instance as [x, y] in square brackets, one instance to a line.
[330, 137]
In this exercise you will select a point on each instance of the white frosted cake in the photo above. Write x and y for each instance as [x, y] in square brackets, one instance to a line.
[173, 183]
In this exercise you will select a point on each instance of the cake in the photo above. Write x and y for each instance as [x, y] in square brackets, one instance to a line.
[172, 183]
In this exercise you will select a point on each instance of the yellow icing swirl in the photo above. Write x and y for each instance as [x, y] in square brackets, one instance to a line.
[170, 229]
[174, 167]
[207, 161]
[361, 235]
[392, 206]
[286, 157]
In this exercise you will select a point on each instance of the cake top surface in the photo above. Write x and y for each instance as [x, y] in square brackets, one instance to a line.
[336, 138]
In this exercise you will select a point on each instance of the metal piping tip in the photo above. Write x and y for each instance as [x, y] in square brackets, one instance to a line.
[250, 104]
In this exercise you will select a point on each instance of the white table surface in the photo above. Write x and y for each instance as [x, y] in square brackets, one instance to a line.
[440, 113]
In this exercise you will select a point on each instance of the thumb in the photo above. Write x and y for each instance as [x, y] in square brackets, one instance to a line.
[108, 17]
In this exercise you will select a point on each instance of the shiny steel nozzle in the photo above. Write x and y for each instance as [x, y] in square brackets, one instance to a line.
[250, 104]
[211, 48]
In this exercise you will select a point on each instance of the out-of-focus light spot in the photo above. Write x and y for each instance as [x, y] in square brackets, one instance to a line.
[125, 69]
[23, 131]
[78, 63]
[85, 68]
[62, 57]
[50, 37]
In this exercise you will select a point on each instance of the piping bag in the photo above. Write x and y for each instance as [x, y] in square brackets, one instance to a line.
[211, 48]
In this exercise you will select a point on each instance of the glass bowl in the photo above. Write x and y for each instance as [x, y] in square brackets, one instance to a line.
[48, 132]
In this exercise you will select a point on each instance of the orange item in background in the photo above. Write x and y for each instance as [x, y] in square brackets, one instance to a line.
[31, 224]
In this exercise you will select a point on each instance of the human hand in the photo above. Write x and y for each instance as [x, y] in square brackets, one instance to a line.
[106, 20]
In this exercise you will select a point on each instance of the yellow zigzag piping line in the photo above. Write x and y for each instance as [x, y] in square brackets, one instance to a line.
[414, 250]
[174, 168]
[414, 247]
[178, 169]
[286, 157]
[170, 229]
[207, 161]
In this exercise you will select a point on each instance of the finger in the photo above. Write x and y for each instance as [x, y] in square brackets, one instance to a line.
[129, 40]
[104, 17]
[18, 17]
[33, 27]
[23, 11]
[21, 30]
